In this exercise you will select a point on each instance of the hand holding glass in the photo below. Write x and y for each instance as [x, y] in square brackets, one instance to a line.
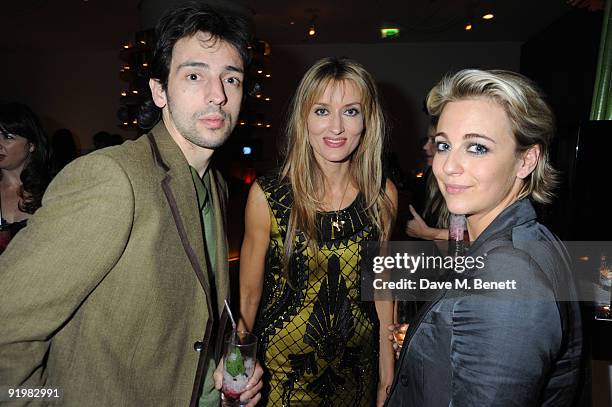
[238, 365]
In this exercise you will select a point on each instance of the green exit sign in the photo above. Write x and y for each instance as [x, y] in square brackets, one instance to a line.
[389, 32]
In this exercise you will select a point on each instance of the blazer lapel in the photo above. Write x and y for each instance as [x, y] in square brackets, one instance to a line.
[178, 188]
[221, 266]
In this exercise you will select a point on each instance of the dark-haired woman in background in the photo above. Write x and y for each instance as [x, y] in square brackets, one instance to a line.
[24, 165]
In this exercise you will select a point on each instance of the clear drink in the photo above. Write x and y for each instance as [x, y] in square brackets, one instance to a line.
[238, 366]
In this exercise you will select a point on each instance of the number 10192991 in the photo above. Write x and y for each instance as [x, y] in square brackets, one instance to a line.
[30, 393]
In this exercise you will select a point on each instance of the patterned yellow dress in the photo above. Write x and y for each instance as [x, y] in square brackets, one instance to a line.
[318, 340]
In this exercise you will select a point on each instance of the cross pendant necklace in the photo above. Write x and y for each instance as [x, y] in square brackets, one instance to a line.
[339, 224]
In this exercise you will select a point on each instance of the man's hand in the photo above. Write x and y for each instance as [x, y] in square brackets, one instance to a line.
[252, 393]
[417, 227]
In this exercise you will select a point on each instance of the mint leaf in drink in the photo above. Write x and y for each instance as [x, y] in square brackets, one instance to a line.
[234, 363]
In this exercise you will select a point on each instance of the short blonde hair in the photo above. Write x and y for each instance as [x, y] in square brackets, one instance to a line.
[531, 119]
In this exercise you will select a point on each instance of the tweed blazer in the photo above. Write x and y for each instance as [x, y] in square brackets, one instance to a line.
[106, 292]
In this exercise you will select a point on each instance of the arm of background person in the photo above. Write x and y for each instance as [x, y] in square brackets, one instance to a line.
[384, 309]
[504, 343]
[417, 227]
[52, 265]
[253, 255]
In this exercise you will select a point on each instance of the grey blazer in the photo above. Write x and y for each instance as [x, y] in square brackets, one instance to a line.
[499, 347]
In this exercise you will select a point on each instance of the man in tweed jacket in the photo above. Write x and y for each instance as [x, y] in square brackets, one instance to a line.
[114, 291]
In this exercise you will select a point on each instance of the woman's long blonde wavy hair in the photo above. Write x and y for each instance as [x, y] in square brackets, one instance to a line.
[301, 169]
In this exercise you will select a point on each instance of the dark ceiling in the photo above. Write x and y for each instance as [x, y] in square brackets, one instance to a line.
[342, 21]
[32, 24]
[61, 24]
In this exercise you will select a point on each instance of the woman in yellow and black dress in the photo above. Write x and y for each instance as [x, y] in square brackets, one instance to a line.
[301, 258]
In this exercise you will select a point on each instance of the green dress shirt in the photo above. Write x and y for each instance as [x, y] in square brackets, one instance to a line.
[210, 396]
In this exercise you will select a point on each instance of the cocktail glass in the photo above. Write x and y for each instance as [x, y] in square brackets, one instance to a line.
[238, 366]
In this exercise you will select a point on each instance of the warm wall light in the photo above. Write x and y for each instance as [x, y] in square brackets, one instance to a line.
[468, 27]
[124, 93]
[268, 75]
[259, 71]
[488, 16]
[312, 23]
[267, 99]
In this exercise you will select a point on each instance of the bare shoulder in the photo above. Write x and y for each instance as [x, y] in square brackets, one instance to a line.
[257, 220]
[257, 211]
[257, 195]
